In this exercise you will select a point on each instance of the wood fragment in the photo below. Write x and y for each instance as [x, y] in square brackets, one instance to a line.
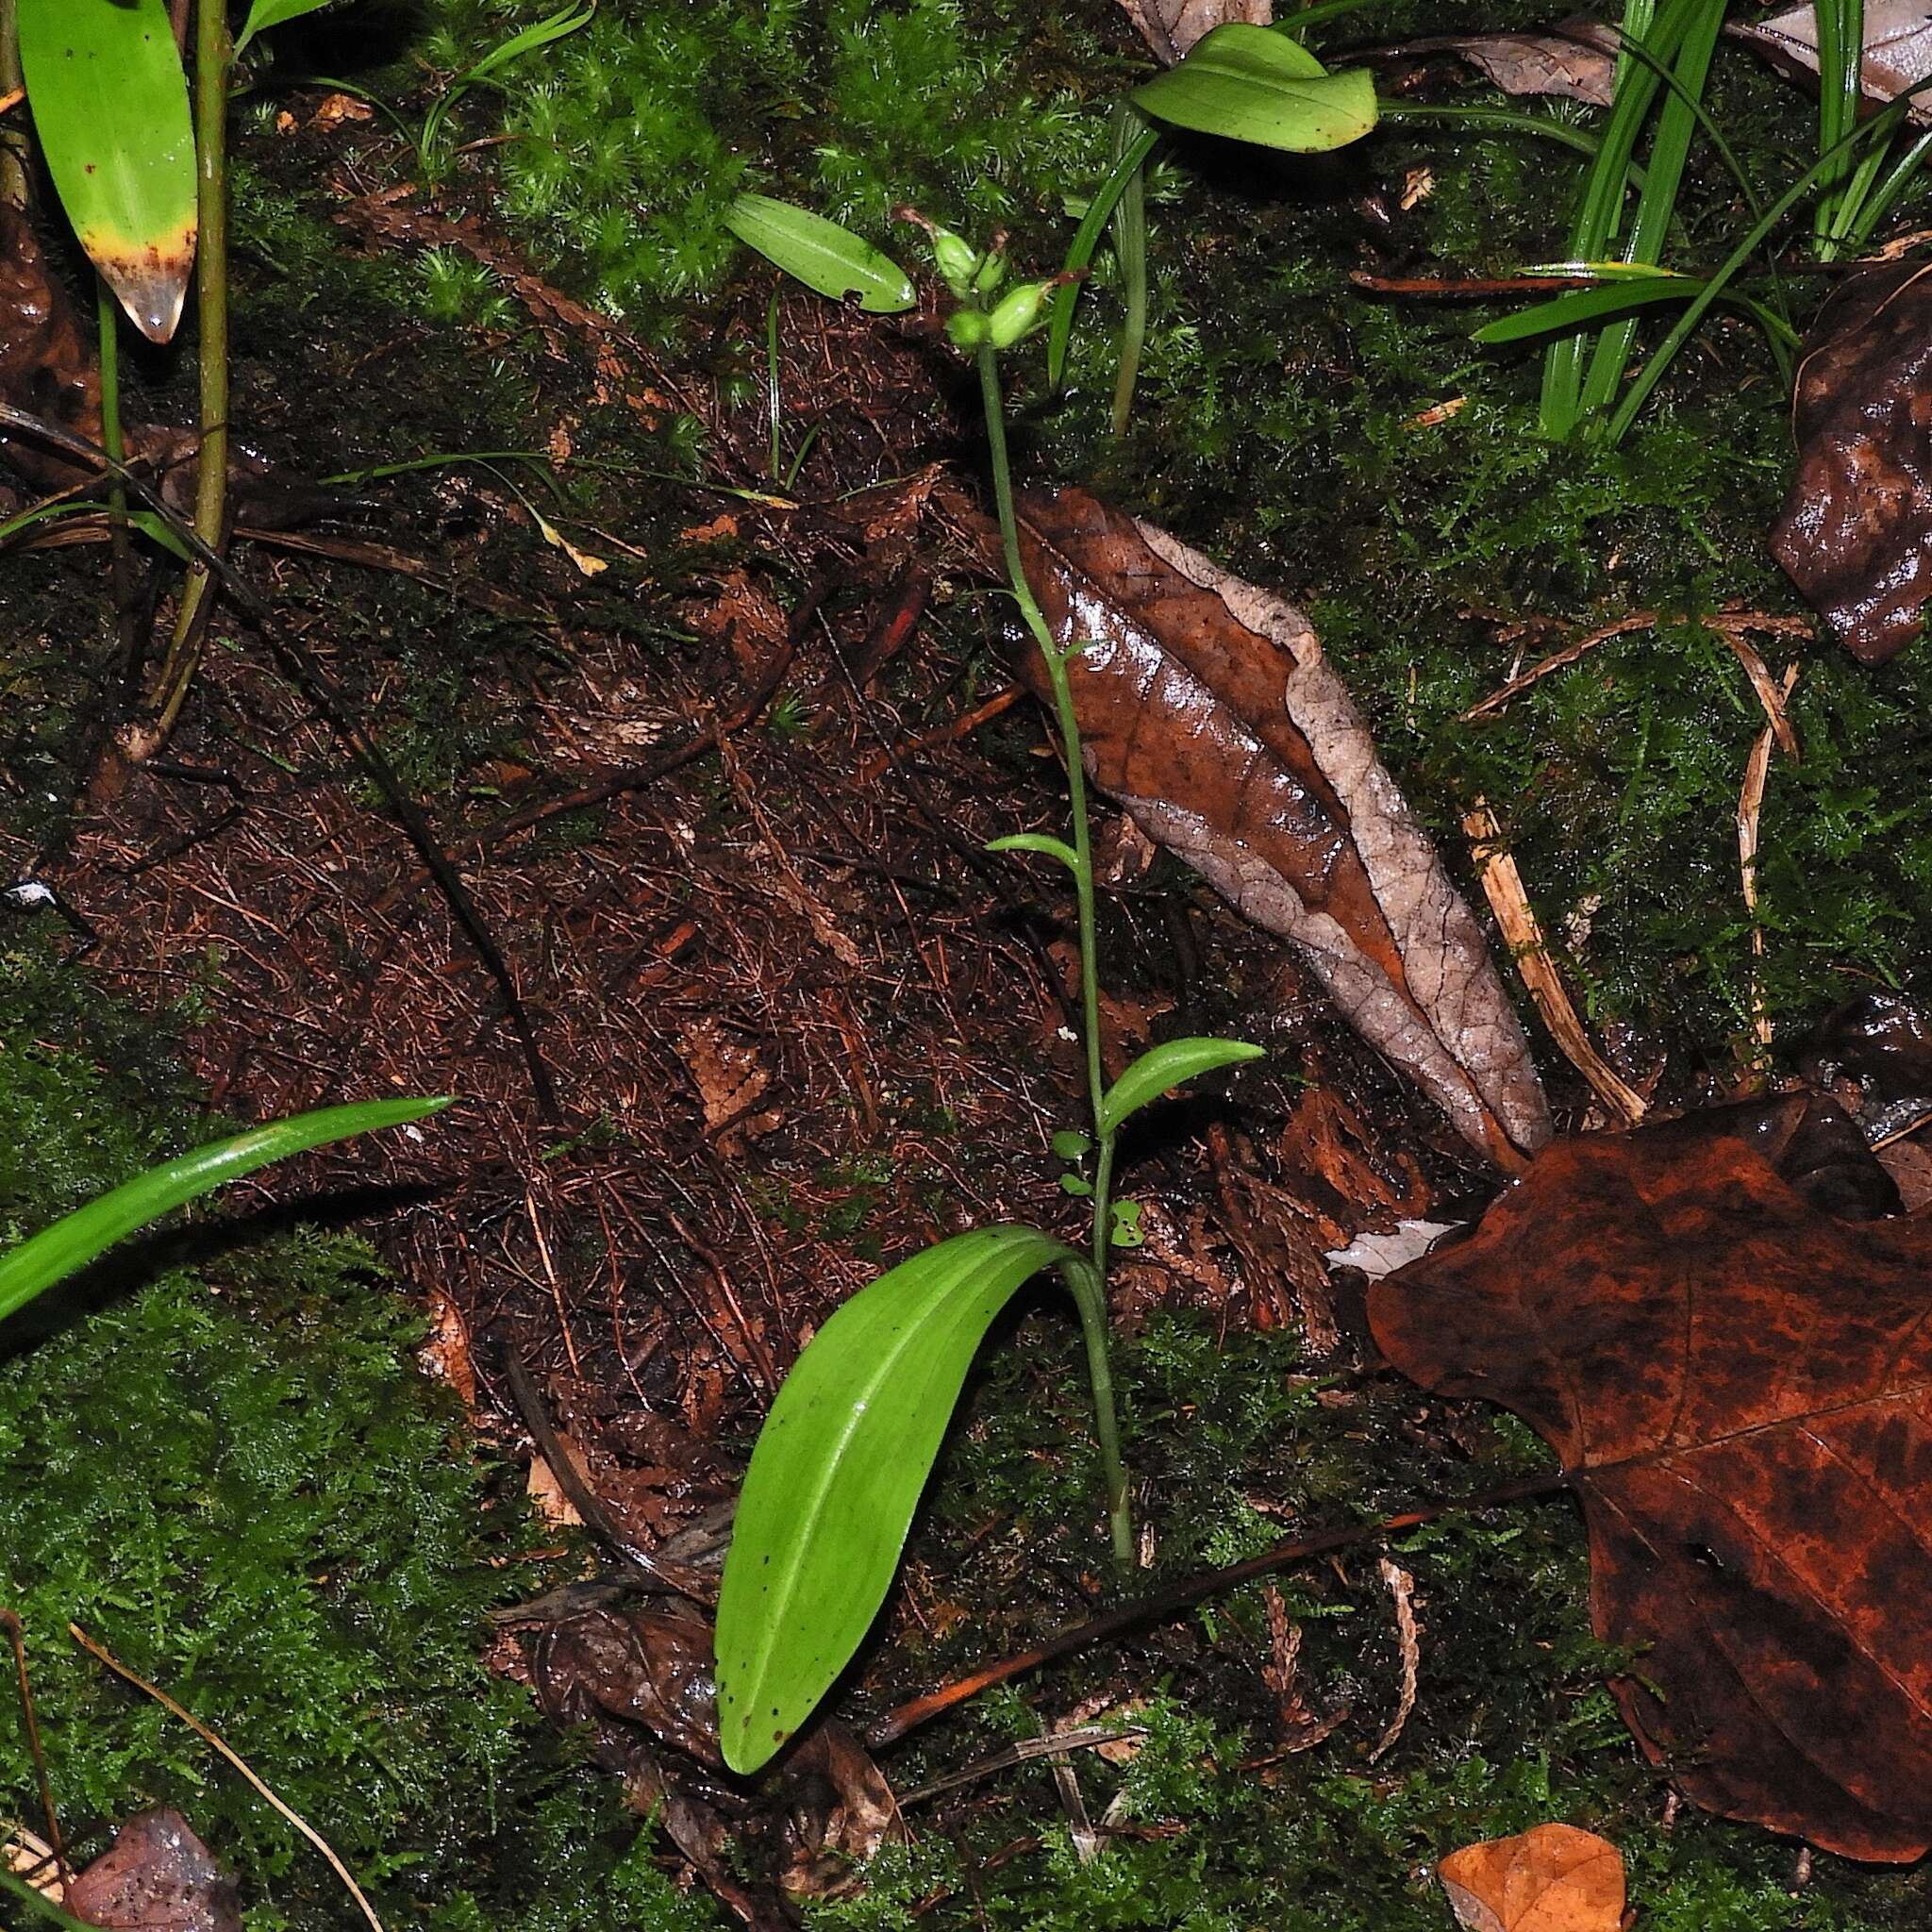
[1502, 886]
[1750, 808]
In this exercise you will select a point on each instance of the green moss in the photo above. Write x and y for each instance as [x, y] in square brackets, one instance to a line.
[217, 1456]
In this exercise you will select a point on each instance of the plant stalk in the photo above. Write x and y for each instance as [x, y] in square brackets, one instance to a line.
[120, 553]
[1093, 1301]
[213, 58]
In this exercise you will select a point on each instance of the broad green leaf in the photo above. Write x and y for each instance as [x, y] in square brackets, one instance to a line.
[1247, 83]
[838, 1470]
[111, 108]
[1163, 1066]
[267, 14]
[828, 258]
[73, 1242]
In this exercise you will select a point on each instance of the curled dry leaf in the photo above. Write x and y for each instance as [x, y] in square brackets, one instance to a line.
[1741, 1387]
[1574, 60]
[1855, 532]
[1207, 709]
[1171, 27]
[642, 1683]
[1551, 1878]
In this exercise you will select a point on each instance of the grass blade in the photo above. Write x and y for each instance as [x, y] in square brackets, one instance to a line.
[73, 1242]
[1126, 165]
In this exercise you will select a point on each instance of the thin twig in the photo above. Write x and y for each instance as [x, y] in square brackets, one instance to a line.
[10, 1622]
[1750, 810]
[234, 1758]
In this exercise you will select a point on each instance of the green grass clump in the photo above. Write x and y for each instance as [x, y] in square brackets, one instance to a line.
[629, 138]
[218, 1457]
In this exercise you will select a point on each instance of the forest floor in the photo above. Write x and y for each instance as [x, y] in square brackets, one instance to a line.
[715, 755]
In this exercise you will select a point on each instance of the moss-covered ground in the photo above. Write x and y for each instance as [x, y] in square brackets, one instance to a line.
[218, 1456]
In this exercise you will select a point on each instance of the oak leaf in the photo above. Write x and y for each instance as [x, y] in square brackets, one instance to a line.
[1551, 1878]
[1740, 1387]
[1207, 708]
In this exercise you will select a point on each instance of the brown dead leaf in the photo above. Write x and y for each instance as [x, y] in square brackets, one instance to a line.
[1855, 532]
[1574, 60]
[1741, 1387]
[1207, 709]
[729, 1078]
[1898, 46]
[1171, 27]
[1551, 1878]
[156, 1876]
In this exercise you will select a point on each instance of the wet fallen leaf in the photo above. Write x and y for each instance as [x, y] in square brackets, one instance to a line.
[1208, 711]
[1574, 60]
[1551, 1878]
[641, 1682]
[1171, 27]
[156, 1876]
[1742, 1387]
[1898, 46]
[1855, 532]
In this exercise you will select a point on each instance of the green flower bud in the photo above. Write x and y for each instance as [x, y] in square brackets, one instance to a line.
[993, 270]
[1020, 312]
[968, 328]
[955, 258]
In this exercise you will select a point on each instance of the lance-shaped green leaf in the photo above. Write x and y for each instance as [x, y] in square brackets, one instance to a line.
[1248, 83]
[73, 1242]
[267, 14]
[1164, 1067]
[111, 108]
[838, 1472]
[828, 259]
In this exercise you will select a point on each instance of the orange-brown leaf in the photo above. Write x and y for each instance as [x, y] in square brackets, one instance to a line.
[1551, 1878]
[1741, 1386]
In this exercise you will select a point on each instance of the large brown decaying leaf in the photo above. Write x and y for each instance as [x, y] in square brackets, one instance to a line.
[1741, 1388]
[1207, 709]
[1171, 27]
[1897, 53]
[156, 1876]
[1550, 1878]
[1856, 532]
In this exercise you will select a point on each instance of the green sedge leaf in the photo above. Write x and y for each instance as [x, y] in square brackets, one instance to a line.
[828, 258]
[1248, 83]
[1161, 1068]
[540, 33]
[1580, 307]
[1038, 842]
[111, 108]
[73, 1242]
[838, 1470]
[267, 14]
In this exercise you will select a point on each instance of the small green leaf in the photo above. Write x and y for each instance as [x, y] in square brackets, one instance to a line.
[1071, 1144]
[1163, 1066]
[73, 1242]
[838, 1470]
[1073, 1183]
[111, 108]
[1248, 83]
[828, 258]
[267, 14]
[1126, 1231]
[1038, 842]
